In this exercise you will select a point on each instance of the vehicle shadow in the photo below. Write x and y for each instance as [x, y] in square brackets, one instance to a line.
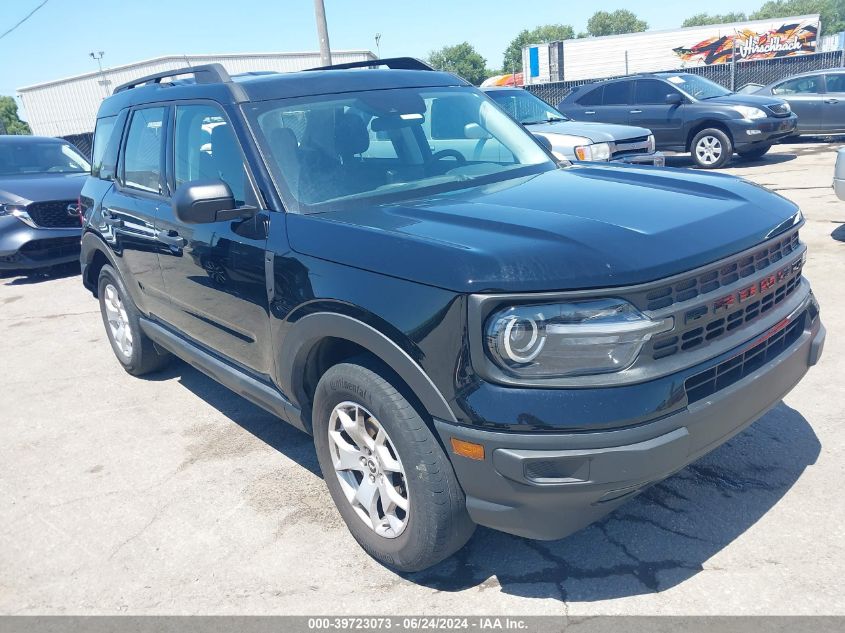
[685, 160]
[277, 434]
[839, 233]
[24, 278]
[656, 541]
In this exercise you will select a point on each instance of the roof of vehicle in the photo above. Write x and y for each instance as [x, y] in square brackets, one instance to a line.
[809, 73]
[212, 82]
[20, 138]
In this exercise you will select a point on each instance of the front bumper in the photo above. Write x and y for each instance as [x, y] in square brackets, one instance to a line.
[657, 159]
[547, 486]
[750, 132]
[25, 248]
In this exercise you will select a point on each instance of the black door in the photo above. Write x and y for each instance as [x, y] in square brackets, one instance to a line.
[130, 207]
[651, 110]
[214, 273]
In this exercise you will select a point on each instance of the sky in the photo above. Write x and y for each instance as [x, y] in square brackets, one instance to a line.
[55, 42]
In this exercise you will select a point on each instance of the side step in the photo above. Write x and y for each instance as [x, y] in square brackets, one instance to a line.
[257, 392]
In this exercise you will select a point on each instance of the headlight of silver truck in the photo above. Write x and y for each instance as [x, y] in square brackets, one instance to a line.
[595, 152]
[578, 338]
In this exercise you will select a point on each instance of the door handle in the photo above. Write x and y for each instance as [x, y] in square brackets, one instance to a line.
[171, 238]
[109, 219]
[590, 112]
[831, 100]
[635, 112]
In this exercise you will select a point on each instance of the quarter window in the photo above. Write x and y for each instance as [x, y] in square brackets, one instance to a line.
[206, 148]
[142, 162]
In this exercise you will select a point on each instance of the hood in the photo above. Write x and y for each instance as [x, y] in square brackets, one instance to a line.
[588, 226]
[596, 132]
[755, 101]
[40, 187]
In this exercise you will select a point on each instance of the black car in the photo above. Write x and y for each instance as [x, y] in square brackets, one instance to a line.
[818, 98]
[40, 181]
[687, 113]
[472, 335]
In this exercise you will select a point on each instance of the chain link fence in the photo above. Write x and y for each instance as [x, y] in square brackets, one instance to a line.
[731, 75]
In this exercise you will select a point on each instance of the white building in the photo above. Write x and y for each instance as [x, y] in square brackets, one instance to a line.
[66, 107]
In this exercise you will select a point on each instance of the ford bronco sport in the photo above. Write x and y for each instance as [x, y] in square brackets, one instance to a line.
[473, 333]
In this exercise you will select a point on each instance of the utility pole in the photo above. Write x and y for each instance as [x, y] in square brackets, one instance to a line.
[323, 33]
[378, 48]
[98, 57]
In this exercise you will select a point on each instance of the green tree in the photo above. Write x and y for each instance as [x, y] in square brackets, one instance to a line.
[832, 12]
[703, 19]
[537, 35]
[461, 59]
[9, 117]
[619, 21]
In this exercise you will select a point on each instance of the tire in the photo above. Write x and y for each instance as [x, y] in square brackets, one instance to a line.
[134, 349]
[711, 148]
[434, 524]
[756, 152]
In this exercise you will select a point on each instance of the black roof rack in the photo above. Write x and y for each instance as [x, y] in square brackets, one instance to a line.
[205, 74]
[394, 63]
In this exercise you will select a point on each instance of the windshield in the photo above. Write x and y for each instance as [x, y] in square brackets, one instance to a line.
[697, 87]
[27, 157]
[334, 151]
[525, 107]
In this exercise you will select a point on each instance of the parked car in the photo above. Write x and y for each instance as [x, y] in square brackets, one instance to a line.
[574, 141]
[818, 98]
[687, 113]
[495, 340]
[40, 181]
[839, 174]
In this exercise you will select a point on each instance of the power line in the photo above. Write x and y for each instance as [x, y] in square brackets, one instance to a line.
[28, 15]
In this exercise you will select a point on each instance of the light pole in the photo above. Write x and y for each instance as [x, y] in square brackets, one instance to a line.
[378, 41]
[98, 57]
[323, 33]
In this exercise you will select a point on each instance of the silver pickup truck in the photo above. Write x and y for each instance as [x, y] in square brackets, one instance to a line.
[576, 140]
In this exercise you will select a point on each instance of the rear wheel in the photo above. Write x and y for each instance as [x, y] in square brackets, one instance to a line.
[388, 476]
[755, 152]
[711, 148]
[133, 348]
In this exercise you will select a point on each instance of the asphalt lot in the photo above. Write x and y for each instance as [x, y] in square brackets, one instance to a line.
[172, 495]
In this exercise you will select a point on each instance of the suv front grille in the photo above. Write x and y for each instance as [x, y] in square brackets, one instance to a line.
[629, 146]
[53, 214]
[779, 109]
[706, 383]
[724, 275]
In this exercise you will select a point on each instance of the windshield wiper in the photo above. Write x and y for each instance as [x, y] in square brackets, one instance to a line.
[551, 119]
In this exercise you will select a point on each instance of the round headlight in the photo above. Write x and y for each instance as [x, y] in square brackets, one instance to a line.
[522, 339]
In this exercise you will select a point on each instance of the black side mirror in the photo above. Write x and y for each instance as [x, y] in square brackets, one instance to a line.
[544, 141]
[674, 99]
[206, 201]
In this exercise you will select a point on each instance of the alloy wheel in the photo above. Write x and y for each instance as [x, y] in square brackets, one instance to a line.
[708, 150]
[118, 321]
[369, 470]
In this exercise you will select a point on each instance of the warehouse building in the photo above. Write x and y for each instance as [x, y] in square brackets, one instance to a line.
[68, 107]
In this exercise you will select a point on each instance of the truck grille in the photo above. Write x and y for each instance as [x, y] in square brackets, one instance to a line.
[53, 214]
[629, 146]
[706, 383]
[722, 275]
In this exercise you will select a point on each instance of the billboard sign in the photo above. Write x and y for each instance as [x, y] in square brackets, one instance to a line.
[783, 40]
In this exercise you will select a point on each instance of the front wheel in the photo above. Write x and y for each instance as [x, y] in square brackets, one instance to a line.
[711, 148]
[754, 152]
[387, 474]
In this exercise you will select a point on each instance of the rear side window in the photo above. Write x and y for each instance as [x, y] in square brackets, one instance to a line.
[592, 98]
[142, 157]
[651, 92]
[617, 93]
[106, 146]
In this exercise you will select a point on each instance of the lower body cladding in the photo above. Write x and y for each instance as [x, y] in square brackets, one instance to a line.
[747, 133]
[23, 247]
[547, 486]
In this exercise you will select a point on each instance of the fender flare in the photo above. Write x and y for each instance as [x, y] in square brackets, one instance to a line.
[309, 330]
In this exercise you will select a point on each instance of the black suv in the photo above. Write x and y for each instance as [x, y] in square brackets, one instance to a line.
[471, 332]
[687, 113]
[40, 181]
